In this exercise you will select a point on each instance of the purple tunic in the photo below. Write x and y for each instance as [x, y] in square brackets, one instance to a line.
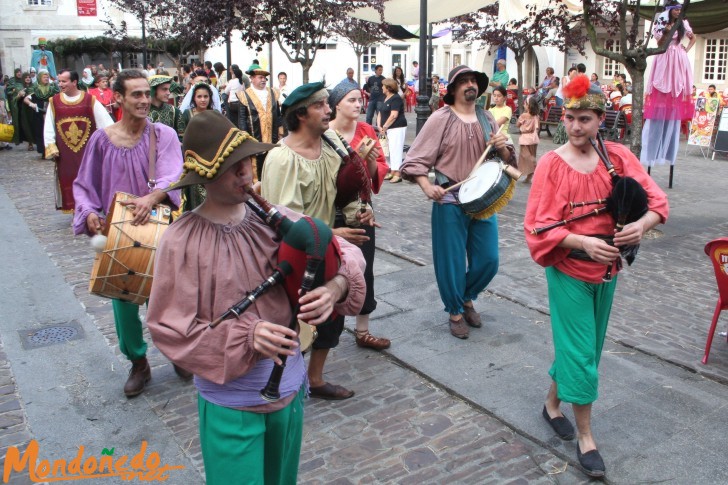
[107, 169]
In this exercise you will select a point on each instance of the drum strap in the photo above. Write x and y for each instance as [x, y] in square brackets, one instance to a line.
[152, 183]
[484, 123]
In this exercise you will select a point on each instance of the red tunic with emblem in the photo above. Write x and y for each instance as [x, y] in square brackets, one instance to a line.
[74, 124]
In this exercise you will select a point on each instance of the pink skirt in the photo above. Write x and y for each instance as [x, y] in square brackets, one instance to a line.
[670, 85]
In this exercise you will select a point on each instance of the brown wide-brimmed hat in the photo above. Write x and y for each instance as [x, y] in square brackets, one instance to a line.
[211, 146]
[480, 77]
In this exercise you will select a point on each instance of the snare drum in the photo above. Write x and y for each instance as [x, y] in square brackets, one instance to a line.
[488, 191]
[124, 269]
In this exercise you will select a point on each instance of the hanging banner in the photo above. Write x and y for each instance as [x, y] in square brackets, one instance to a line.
[86, 8]
[701, 128]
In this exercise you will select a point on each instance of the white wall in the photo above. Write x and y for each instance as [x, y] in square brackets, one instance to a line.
[21, 26]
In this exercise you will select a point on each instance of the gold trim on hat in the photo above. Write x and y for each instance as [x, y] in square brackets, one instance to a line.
[589, 101]
[209, 168]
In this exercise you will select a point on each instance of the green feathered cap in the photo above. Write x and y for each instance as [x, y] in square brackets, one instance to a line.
[211, 146]
[256, 69]
[305, 96]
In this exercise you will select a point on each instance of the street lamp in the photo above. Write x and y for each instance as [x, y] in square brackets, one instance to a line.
[423, 108]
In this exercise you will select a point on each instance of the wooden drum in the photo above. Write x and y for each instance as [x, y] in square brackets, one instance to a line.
[125, 267]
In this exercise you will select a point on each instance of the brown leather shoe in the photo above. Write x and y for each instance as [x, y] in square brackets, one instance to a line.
[139, 375]
[184, 374]
[365, 339]
[459, 329]
[472, 317]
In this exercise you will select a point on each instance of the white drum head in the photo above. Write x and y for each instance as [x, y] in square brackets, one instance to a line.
[485, 177]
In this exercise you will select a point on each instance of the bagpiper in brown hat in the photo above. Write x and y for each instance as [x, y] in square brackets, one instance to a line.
[211, 146]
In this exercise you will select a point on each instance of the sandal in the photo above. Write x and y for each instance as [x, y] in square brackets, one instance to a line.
[388, 176]
[365, 339]
[395, 180]
[330, 392]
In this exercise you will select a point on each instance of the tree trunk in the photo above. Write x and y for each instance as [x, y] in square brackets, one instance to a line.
[306, 67]
[519, 74]
[358, 68]
[638, 91]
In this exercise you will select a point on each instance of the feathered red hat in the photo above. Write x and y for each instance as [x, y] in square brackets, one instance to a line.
[580, 93]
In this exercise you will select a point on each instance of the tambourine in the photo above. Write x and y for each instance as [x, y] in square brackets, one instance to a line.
[366, 145]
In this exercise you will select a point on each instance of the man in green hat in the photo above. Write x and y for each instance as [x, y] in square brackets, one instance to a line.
[207, 261]
[160, 110]
[301, 175]
[259, 111]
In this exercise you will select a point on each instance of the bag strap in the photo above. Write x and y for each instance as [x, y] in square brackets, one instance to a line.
[484, 123]
[152, 182]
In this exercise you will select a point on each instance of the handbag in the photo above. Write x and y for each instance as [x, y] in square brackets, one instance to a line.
[6, 132]
[384, 142]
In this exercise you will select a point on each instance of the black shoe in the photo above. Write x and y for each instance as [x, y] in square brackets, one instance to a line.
[561, 425]
[184, 374]
[591, 462]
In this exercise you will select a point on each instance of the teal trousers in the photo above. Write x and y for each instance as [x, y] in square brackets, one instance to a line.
[465, 254]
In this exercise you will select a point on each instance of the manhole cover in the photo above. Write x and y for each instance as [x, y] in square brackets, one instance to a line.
[56, 334]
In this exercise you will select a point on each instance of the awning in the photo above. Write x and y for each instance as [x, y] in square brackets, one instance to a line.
[705, 16]
[407, 12]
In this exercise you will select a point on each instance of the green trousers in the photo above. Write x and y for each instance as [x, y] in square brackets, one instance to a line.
[579, 318]
[240, 447]
[129, 329]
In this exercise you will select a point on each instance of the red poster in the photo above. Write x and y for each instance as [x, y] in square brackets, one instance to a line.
[86, 8]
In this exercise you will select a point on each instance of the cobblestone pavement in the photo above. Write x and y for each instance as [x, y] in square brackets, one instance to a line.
[14, 430]
[664, 303]
[403, 428]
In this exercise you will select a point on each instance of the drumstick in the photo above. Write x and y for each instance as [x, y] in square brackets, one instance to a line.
[454, 186]
[470, 176]
[480, 160]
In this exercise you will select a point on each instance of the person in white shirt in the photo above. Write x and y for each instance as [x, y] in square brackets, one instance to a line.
[284, 89]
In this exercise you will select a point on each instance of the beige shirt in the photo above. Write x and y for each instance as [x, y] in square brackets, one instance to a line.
[303, 185]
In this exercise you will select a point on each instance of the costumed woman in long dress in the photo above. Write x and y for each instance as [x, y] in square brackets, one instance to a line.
[25, 113]
[668, 96]
[198, 77]
[200, 100]
[37, 98]
[346, 102]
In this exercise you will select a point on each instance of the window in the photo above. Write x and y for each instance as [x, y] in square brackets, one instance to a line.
[611, 67]
[716, 60]
[369, 60]
[42, 3]
[134, 60]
